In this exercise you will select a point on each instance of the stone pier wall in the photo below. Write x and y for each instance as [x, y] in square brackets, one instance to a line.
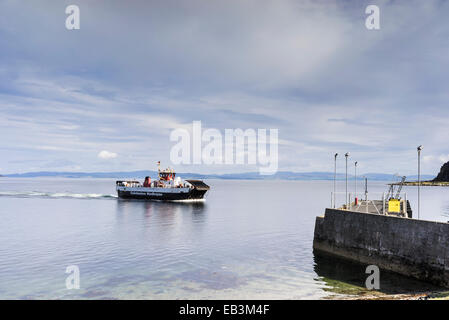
[411, 247]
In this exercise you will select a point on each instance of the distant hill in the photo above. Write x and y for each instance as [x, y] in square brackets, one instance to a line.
[282, 175]
[443, 176]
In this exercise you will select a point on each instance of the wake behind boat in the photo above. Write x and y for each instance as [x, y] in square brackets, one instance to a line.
[168, 187]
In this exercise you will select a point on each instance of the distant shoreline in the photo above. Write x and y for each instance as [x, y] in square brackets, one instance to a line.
[280, 175]
[425, 183]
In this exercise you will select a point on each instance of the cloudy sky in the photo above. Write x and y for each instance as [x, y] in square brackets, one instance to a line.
[106, 97]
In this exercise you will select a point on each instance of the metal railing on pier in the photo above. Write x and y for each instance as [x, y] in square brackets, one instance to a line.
[376, 202]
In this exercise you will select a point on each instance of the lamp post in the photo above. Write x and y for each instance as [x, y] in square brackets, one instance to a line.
[366, 190]
[355, 178]
[346, 156]
[419, 179]
[335, 176]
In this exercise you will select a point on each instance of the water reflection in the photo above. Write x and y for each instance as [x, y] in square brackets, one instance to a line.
[162, 213]
[343, 276]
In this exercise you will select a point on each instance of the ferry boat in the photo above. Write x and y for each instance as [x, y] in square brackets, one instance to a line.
[168, 187]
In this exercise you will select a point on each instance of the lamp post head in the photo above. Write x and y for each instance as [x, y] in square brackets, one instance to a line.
[419, 148]
[347, 154]
[356, 163]
[336, 155]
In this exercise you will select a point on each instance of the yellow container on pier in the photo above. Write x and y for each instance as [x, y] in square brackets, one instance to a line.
[394, 205]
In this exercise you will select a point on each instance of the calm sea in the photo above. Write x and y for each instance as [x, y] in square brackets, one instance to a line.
[248, 240]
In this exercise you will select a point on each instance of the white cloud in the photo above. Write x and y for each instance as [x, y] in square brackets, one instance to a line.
[444, 158]
[107, 155]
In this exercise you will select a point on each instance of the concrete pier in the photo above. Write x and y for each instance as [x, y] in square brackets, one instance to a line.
[414, 248]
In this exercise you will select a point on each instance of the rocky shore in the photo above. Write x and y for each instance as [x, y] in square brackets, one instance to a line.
[441, 180]
[425, 183]
[443, 176]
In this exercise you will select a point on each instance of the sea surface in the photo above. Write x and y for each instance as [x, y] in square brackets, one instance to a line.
[247, 240]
